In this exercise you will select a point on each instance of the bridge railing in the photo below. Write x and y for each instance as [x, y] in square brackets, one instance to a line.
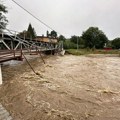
[6, 55]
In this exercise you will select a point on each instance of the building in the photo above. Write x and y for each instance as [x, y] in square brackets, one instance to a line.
[46, 39]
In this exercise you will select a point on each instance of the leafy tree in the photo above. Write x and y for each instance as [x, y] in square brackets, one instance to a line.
[61, 38]
[53, 34]
[3, 20]
[109, 44]
[116, 43]
[31, 32]
[81, 42]
[94, 38]
[74, 39]
[23, 34]
[69, 45]
[78, 40]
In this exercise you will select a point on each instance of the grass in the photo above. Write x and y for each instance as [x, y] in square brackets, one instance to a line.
[85, 51]
[78, 52]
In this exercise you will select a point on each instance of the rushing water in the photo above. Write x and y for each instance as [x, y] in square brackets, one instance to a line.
[66, 88]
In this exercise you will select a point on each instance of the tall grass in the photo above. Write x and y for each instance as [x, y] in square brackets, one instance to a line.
[86, 51]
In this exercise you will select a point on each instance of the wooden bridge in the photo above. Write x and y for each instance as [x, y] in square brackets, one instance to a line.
[13, 47]
[7, 55]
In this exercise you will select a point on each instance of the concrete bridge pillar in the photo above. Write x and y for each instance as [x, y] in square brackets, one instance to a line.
[0, 75]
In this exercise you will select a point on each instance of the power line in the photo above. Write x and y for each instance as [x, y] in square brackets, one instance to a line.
[35, 16]
[25, 43]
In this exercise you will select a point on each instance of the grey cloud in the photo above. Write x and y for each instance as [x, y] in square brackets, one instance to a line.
[69, 17]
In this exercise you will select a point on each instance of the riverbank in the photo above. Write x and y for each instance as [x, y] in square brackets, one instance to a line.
[86, 52]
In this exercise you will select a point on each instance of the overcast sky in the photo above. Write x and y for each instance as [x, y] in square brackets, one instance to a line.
[68, 17]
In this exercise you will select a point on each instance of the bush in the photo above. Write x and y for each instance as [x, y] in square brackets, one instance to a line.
[69, 45]
[116, 43]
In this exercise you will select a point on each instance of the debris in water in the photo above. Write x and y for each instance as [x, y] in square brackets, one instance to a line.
[39, 74]
[87, 115]
[107, 91]
[47, 65]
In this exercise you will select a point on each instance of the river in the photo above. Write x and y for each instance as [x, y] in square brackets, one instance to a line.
[65, 88]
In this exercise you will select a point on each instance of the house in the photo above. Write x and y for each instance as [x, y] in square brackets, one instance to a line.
[46, 39]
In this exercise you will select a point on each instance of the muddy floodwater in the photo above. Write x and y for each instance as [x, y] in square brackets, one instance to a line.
[65, 88]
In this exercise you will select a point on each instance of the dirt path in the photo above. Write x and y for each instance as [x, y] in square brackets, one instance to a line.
[67, 88]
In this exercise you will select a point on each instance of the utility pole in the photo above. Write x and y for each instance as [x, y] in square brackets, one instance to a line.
[24, 34]
[77, 43]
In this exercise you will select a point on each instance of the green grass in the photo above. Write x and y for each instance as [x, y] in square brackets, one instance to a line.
[78, 52]
[85, 51]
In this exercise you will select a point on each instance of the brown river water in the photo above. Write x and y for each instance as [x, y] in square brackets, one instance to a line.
[66, 88]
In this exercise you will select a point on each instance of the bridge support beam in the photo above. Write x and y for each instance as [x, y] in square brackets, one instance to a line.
[0, 75]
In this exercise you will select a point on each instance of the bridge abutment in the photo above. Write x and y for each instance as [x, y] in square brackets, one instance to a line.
[0, 75]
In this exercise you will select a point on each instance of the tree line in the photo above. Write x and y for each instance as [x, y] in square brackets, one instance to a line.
[92, 38]
[30, 33]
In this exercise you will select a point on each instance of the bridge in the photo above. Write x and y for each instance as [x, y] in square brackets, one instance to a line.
[13, 47]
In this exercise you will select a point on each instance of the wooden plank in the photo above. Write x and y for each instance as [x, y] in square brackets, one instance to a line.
[10, 58]
[0, 75]
[9, 55]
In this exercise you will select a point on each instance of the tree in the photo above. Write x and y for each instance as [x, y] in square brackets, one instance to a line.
[109, 44]
[81, 42]
[23, 34]
[61, 38]
[74, 39]
[94, 38]
[78, 40]
[116, 43]
[69, 45]
[3, 20]
[47, 33]
[53, 34]
[31, 32]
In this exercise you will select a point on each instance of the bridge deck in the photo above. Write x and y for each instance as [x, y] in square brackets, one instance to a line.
[12, 47]
[10, 58]
[9, 55]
